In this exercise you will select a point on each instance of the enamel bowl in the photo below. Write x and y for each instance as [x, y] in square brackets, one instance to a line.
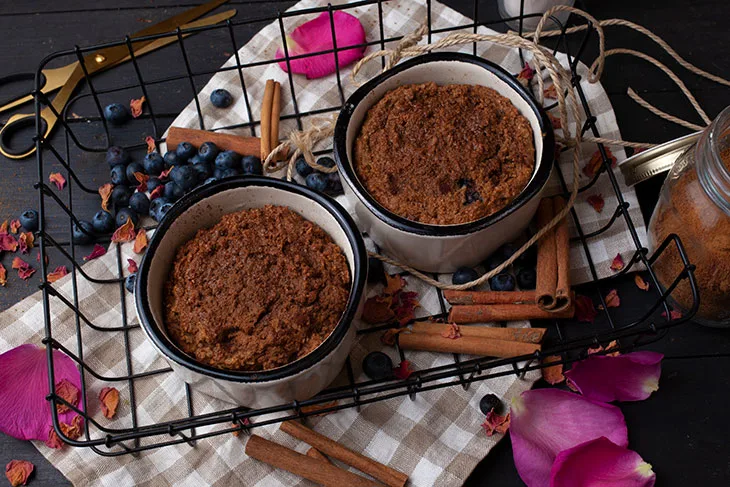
[204, 208]
[442, 248]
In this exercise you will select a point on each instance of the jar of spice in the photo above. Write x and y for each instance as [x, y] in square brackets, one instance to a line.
[694, 203]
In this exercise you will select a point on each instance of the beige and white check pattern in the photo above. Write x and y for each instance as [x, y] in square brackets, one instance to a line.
[436, 439]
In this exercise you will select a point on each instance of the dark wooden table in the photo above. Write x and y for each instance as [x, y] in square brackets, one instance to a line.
[679, 430]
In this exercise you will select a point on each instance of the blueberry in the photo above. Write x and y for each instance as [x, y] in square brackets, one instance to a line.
[118, 175]
[173, 192]
[185, 150]
[152, 183]
[129, 282]
[116, 156]
[185, 176]
[221, 98]
[219, 173]
[252, 165]
[155, 205]
[140, 203]
[490, 402]
[464, 275]
[208, 151]
[171, 159]
[317, 181]
[493, 261]
[334, 185]
[527, 258]
[153, 163]
[120, 196]
[116, 114]
[227, 160]
[196, 159]
[527, 278]
[126, 214]
[376, 271]
[132, 168]
[504, 281]
[210, 180]
[326, 162]
[202, 170]
[377, 365]
[103, 222]
[29, 219]
[507, 250]
[303, 168]
[83, 233]
[162, 211]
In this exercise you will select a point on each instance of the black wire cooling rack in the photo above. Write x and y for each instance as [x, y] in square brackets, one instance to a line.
[563, 339]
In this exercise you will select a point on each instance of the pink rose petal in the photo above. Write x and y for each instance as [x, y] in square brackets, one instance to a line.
[628, 377]
[545, 422]
[316, 36]
[24, 411]
[600, 463]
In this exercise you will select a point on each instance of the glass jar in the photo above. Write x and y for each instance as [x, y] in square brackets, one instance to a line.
[512, 8]
[694, 203]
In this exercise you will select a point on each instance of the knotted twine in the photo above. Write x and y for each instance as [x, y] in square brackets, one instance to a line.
[302, 143]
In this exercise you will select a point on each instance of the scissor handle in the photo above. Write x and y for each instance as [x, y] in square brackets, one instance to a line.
[25, 95]
[9, 132]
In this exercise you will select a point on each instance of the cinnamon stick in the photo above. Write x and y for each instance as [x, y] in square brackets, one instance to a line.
[547, 265]
[310, 468]
[489, 297]
[485, 347]
[331, 448]
[562, 249]
[485, 313]
[314, 453]
[275, 116]
[266, 106]
[525, 335]
[246, 146]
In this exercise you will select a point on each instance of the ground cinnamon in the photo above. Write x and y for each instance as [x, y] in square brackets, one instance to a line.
[485, 313]
[526, 335]
[489, 297]
[485, 347]
[547, 264]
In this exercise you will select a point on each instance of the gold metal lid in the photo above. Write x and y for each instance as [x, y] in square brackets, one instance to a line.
[656, 160]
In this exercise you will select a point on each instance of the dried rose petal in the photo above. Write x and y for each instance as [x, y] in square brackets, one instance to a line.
[600, 462]
[97, 252]
[15, 226]
[25, 242]
[403, 371]
[393, 284]
[18, 472]
[555, 122]
[596, 162]
[131, 266]
[618, 263]
[57, 274]
[67, 391]
[388, 338]
[74, 430]
[316, 36]
[452, 331]
[597, 202]
[105, 192]
[125, 233]
[673, 314]
[553, 374]
[3, 275]
[377, 310]
[628, 377]
[157, 192]
[142, 179]
[585, 311]
[550, 92]
[494, 423]
[38, 258]
[405, 307]
[150, 141]
[4, 228]
[612, 299]
[24, 269]
[526, 74]
[164, 174]
[140, 241]
[24, 385]
[135, 106]
[545, 422]
[53, 440]
[57, 179]
[599, 348]
[8, 243]
[641, 283]
[109, 397]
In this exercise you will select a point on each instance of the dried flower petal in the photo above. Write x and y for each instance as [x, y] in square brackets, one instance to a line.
[105, 192]
[597, 202]
[57, 179]
[673, 314]
[611, 346]
[3, 275]
[526, 74]
[97, 252]
[595, 163]
[585, 311]
[555, 122]
[109, 397]
[405, 307]
[140, 241]
[600, 462]
[452, 331]
[73, 431]
[131, 266]
[545, 422]
[388, 338]
[612, 299]
[150, 141]
[125, 233]
[4, 228]
[24, 269]
[316, 36]
[628, 377]
[15, 226]
[157, 192]
[18, 472]
[377, 309]
[53, 440]
[67, 391]
[641, 283]
[403, 371]
[136, 106]
[618, 263]
[24, 385]
[494, 423]
[553, 374]
[57, 274]
[38, 258]
[550, 92]
[25, 242]
[393, 284]
[142, 179]
[8, 243]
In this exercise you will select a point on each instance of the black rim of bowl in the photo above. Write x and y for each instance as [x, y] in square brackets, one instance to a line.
[172, 352]
[347, 170]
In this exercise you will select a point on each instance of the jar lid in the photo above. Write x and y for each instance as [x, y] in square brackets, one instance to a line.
[656, 160]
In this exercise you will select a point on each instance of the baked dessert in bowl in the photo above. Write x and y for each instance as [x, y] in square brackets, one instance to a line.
[444, 158]
[249, 288]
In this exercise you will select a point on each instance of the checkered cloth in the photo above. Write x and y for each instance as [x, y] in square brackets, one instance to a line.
[435, 439]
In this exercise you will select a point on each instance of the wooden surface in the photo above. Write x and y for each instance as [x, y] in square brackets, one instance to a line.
[680, 430]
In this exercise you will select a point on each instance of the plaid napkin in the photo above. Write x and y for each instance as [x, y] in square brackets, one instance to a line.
[435, 439]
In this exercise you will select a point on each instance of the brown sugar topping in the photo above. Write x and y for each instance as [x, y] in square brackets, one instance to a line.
[260, 289]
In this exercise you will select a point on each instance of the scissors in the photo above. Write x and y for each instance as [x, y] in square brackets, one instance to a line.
[67, 78]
